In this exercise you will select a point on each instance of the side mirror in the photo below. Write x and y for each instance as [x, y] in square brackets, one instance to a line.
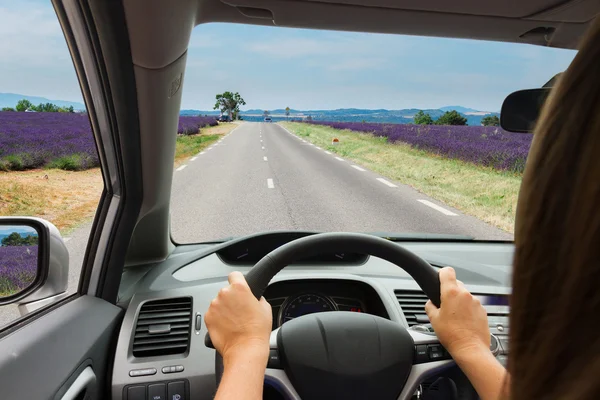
[34, 263]
[521, 109]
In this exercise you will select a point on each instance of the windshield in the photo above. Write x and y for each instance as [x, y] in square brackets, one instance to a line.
[389, 134]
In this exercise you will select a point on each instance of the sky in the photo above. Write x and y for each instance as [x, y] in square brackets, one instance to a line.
[275, 67]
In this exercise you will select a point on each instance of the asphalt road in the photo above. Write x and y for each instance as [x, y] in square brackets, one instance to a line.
[260, 177]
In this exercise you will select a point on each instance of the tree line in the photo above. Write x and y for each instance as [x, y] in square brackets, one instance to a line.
[25, 105]
[452, 118]
[15, 239]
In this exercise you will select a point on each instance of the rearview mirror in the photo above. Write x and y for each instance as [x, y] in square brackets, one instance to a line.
[34, 263]
[521, 110]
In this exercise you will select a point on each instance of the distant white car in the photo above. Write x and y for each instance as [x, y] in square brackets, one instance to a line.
[268, 119]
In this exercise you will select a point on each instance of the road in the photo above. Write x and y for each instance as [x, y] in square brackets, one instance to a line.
[260, 177]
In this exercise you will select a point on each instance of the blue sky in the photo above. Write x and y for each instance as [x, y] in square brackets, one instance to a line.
[303, 69]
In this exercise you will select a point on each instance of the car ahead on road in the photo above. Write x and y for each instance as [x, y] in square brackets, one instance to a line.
[268, 119]
[134, 328]
[224, 118]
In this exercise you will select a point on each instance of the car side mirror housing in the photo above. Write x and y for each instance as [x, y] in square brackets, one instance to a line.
[34, 263]
[521, 110]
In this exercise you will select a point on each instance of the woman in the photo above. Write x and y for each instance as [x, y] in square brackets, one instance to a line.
[555, 303]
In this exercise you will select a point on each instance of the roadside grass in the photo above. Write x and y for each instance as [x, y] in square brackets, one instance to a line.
[483, 192]
[68, 198]
[64, 198]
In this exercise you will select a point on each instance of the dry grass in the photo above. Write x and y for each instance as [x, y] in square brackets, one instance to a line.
[482, 192]
[69, 198]
[65, 198]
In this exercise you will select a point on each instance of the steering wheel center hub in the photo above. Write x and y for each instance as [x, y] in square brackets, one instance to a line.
[345, 355]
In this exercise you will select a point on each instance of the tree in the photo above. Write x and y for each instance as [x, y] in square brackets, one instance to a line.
[46, 107]
[451, 118]
[8, 109]
[23, 105]
[229, 102]
[287, 112]
[422, 118]
[490, 120]
[15, 239]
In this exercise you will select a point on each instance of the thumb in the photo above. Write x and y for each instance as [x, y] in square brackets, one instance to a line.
[431, 310]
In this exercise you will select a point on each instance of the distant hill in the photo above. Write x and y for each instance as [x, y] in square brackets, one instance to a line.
[11, 99]
[404, 116]
[460, 109]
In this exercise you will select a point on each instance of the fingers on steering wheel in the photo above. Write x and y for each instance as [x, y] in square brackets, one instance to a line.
[430, 308]
[447, 275]
[236, 277]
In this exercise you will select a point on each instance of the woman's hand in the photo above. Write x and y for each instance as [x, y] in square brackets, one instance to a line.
[461, 322]
[238, 324]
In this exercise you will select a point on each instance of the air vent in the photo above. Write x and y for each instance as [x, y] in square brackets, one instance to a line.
[163, 327]
[412, 303]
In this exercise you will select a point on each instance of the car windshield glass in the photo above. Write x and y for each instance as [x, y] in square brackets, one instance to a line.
[389, 134]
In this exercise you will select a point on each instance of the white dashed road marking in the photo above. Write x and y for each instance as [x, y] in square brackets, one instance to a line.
[358, 168]
[270, 184]
[201, 153]
[327, 152]
[438, 208]
[265, 158]
[263, 147]
[193, 158]
[66, 239]
[390, 184]
[338, 158]
[181, 168]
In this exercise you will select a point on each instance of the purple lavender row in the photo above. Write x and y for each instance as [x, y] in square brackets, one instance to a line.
[482, 145]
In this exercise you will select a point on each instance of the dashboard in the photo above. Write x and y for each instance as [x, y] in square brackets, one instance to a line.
[177, 292]
[292, 299]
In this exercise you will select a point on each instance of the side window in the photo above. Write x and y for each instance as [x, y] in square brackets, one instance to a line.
[49, 164]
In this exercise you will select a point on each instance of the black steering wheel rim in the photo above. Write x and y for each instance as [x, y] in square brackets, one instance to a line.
[421, 271]
[266, 268]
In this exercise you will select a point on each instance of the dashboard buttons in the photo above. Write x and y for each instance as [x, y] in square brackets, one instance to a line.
[157, 391]
[171, 369]
[142, 372]
[421, 353]
[136, 393]
[430, 352]
[436, 352]
[176, 391]
[198, 323]
[274, 361]
[170, 390]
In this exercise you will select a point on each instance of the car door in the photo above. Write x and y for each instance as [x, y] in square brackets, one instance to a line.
[65, 349]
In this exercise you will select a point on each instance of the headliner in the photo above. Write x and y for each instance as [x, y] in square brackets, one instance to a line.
[163, 27]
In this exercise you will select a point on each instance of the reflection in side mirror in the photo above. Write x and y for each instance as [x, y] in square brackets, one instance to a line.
[521, 110]
[19, 259]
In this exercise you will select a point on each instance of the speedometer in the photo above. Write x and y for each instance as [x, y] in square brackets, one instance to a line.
[308, 303]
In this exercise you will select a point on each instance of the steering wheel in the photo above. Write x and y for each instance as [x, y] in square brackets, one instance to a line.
[347, 355]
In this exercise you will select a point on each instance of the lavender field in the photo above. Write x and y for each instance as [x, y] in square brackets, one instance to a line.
[482, 145]
[18, 267]
[59, 140]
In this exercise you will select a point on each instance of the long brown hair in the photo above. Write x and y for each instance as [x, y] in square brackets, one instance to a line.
[555, 305]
